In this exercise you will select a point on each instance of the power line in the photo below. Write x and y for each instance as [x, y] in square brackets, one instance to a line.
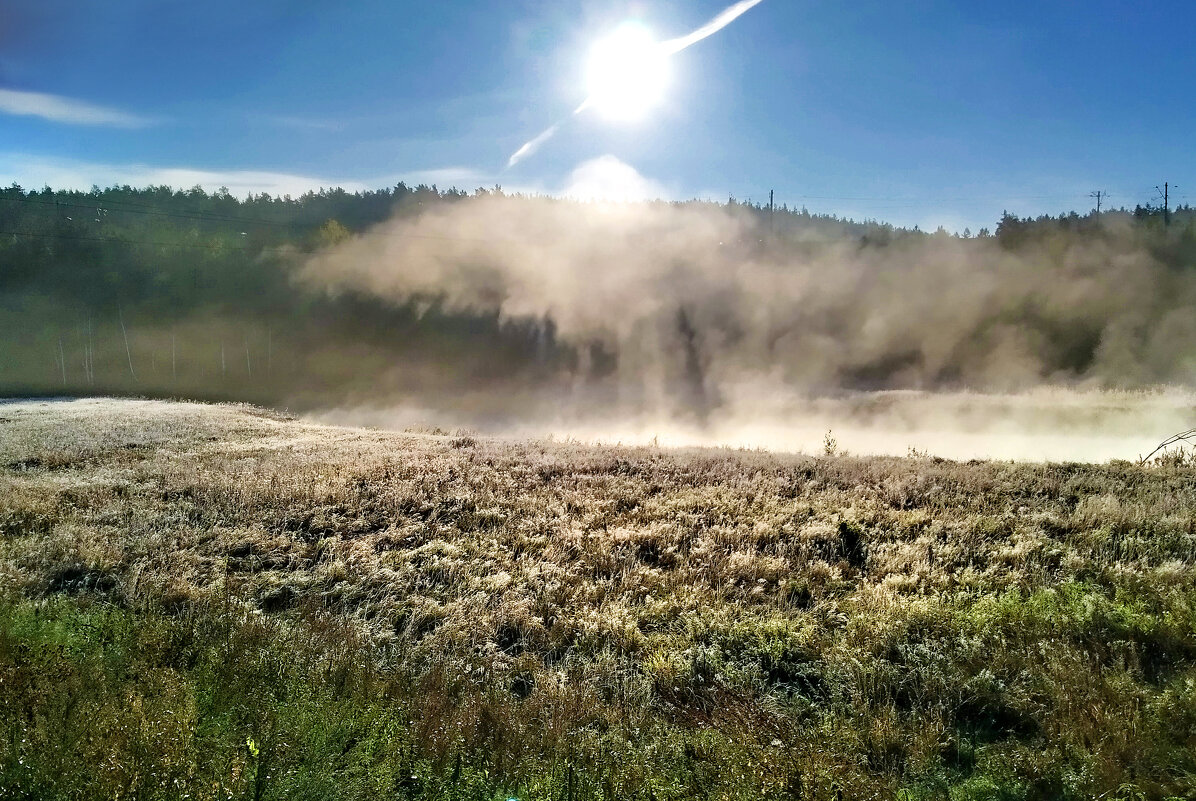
[121, 240]
[141, 208]
[970, 198]
[205, 216]
[247, 248]
[907, 201]
[217, 218]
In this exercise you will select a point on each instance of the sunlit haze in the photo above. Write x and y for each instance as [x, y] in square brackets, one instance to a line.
[597, 399]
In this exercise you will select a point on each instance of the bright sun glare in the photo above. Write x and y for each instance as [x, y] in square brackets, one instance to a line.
[628, 73]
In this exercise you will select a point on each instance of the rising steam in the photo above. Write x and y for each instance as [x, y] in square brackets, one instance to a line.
[808, 313]
[691, 318]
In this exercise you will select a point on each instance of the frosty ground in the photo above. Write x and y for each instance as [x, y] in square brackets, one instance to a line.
[226, 602]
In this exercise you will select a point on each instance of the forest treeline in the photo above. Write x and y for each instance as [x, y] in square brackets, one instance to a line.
[161, 292]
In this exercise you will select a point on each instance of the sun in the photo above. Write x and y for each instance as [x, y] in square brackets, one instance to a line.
[628, 73]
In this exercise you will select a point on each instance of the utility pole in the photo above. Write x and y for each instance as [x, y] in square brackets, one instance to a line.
[1098, 194]
[1166, 193]
[771, 210]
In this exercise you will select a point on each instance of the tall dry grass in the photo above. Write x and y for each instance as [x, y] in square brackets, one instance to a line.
[220, 601]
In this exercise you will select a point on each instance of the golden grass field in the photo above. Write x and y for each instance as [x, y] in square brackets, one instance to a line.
[208, 601]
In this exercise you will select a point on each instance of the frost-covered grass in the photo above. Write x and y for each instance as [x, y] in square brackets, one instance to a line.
[216, 601]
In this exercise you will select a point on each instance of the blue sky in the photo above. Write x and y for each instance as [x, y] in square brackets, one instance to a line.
[926, 112]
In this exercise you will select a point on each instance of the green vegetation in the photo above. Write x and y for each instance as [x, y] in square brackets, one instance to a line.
[158, 292]
[218, 602]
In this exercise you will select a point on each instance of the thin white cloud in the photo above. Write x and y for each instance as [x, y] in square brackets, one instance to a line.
[724, 18]
[36, 171]
[532, 145]
[67, 110]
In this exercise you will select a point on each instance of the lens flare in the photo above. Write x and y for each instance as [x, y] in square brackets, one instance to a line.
[628, 73]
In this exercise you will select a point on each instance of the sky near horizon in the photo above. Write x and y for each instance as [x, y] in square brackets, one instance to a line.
[928, 112]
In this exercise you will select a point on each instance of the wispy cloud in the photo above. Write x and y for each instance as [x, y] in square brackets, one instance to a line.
[724, 18]
[533, 145]
[444, 177]
[67, 110]
[36, 171]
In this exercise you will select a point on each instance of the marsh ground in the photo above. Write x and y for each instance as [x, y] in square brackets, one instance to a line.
[219, 601]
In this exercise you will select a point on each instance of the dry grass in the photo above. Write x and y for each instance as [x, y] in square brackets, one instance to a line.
[638, 622]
